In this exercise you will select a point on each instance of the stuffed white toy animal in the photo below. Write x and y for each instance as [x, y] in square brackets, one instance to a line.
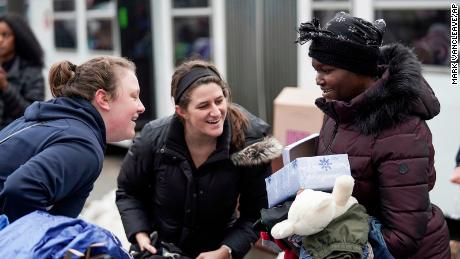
[312, 210]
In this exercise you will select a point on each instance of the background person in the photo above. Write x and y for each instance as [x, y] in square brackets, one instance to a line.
[21, 64]
[454, 221]
[455, 177]
[50, 157]
[376, 103]
[185, 174]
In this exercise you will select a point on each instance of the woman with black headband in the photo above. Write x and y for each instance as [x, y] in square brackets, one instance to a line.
[376, 102]
[196, 179]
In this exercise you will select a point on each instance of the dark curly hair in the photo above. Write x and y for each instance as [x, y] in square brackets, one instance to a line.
[26, 44]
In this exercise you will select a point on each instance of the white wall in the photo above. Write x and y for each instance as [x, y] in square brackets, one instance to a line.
[39, 17]
[163, 56]
[446, 140]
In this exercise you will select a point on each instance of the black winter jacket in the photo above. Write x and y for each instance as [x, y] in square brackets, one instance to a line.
[25, 85]
[195, 208]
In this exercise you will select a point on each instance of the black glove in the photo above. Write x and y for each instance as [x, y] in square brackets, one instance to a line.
[269, 217]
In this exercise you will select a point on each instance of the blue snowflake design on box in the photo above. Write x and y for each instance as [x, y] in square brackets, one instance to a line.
[325, 164]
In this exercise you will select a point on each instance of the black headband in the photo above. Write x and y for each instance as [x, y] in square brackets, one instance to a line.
[190, 78]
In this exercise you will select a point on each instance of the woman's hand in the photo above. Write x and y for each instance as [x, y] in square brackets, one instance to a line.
[3, 80]
[143, 241]
[455, 177]
[221, 253]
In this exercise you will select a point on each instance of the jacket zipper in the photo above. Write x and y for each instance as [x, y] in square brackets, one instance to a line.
[19, 131]
[175, 155]
[334, 133]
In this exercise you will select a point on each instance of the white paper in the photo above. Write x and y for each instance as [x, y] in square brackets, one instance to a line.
[305, 147]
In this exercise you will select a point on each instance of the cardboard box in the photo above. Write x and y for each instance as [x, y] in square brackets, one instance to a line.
[295, 114]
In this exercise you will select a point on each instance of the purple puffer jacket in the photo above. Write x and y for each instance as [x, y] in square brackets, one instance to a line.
[384, 133]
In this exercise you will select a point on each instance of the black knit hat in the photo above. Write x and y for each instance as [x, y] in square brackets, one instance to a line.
[346, 42]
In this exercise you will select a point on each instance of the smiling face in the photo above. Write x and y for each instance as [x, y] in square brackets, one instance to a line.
[205, 115]
[7, 50]
[124, 108]
[339, 84]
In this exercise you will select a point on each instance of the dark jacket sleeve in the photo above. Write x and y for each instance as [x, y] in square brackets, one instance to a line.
[133, 186]
[33, 89]
[252, 199]
[403, 164]
[55, 177]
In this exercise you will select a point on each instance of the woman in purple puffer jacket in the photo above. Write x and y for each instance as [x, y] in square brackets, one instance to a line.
[376, 102]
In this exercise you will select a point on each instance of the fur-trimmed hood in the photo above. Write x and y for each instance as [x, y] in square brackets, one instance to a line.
[260, 147]
[401, 91]
[258, 153]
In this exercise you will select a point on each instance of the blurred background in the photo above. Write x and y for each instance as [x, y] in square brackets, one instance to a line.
[251, 42]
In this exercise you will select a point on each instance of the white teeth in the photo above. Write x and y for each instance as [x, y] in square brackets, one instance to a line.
[213, 122]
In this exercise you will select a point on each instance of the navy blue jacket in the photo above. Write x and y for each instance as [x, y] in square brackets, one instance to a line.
[52, 159]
